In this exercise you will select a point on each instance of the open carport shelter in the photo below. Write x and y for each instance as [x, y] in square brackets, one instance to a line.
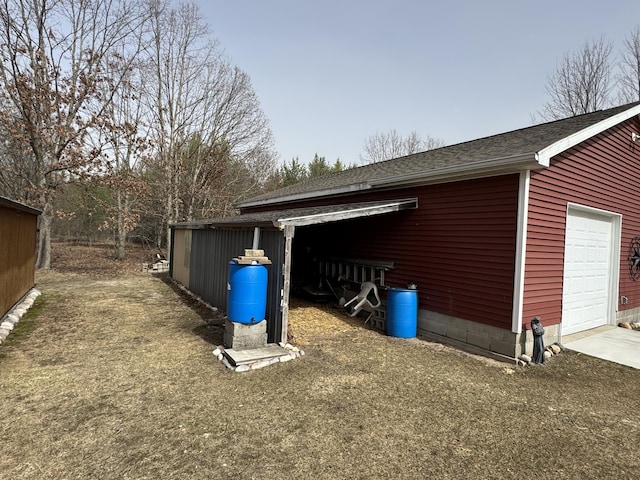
[201, 252]
[541, 221]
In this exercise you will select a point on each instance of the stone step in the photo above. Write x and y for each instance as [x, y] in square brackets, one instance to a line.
[243, 356]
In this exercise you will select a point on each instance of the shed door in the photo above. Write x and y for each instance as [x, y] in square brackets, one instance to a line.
[588, 270]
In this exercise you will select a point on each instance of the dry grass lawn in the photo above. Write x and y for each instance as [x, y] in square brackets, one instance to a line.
[111, 376]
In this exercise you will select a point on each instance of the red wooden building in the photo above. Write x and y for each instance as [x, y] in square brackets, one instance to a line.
[535, 222]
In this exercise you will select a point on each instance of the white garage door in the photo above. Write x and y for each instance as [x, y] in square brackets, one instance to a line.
[588, 271]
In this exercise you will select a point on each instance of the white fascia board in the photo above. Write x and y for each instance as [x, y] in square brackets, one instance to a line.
[521, 251]
[494, 166]
[356, 187]
[347, 213]
[544, 156]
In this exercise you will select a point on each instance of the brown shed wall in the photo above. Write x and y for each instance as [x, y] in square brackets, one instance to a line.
[17, 255]
[601, 173]
[180, 256]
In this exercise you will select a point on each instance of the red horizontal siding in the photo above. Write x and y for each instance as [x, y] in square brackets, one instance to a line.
[600, 173]
[458, 246]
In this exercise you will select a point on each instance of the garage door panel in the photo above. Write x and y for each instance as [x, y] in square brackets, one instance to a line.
[587, 271]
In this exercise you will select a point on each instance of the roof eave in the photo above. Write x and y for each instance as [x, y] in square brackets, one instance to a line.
[314, 219]
[204, 225]
[486, 168]
[18, 206]
[544, 156]
[356, 187]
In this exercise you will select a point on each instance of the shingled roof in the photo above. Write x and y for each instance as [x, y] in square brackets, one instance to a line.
[526, 148]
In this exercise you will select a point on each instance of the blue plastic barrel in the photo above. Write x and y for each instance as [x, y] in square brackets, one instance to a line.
[247, 301]
[402, 312]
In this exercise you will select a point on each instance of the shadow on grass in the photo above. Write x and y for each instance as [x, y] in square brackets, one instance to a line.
[213, 329]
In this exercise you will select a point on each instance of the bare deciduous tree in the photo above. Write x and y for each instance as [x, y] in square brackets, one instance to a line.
[53, 55]
[581, 83]
[205, 119]
[629, 76]
[120, 138]
[385, 146]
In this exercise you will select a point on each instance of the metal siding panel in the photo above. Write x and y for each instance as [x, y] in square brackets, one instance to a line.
[272, 242]
[211, 252]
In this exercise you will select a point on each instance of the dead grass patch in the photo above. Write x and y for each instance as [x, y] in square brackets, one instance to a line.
[116, 380]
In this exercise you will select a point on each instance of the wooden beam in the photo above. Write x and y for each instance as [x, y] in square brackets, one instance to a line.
[289, 231]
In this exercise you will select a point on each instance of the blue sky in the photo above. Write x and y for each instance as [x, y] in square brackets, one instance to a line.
[330, 73]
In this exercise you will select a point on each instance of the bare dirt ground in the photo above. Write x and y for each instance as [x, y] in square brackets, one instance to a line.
[111, 376]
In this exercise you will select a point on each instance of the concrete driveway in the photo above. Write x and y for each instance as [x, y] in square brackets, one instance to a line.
[615, 344]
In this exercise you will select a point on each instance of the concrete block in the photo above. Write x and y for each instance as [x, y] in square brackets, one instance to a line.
[503, 348]
[457, 333]
[242, 329]
[378, 323]
[435, 326]
[479, 340]
[245, 341]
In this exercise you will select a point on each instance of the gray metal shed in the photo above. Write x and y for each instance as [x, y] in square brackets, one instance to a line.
[201, 251]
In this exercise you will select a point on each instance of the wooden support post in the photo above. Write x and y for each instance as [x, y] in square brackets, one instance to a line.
[289, 231]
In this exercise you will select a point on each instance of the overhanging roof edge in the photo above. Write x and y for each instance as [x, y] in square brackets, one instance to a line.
[350, 213]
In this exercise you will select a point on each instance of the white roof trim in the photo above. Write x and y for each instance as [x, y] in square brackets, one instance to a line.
[510, 164]
[349, 213]
[544, 156]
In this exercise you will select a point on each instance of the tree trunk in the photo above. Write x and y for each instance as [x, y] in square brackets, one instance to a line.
[121, 231]
[43, 259]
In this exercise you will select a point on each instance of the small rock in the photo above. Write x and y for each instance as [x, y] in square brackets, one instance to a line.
[12, 318]
[295, 349]
[288, 346]
[625, 325]
[285, 358]
[547, 354]
[282, 344]
[555, 349]
[7, 325]
[226, 363]
[4, 333]
[19, 312]
[260, 364]
[274, 360]
[216, 352]
[525, 358]
[220, 356]
[522, 363]
[301, 352]
[243, 368]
